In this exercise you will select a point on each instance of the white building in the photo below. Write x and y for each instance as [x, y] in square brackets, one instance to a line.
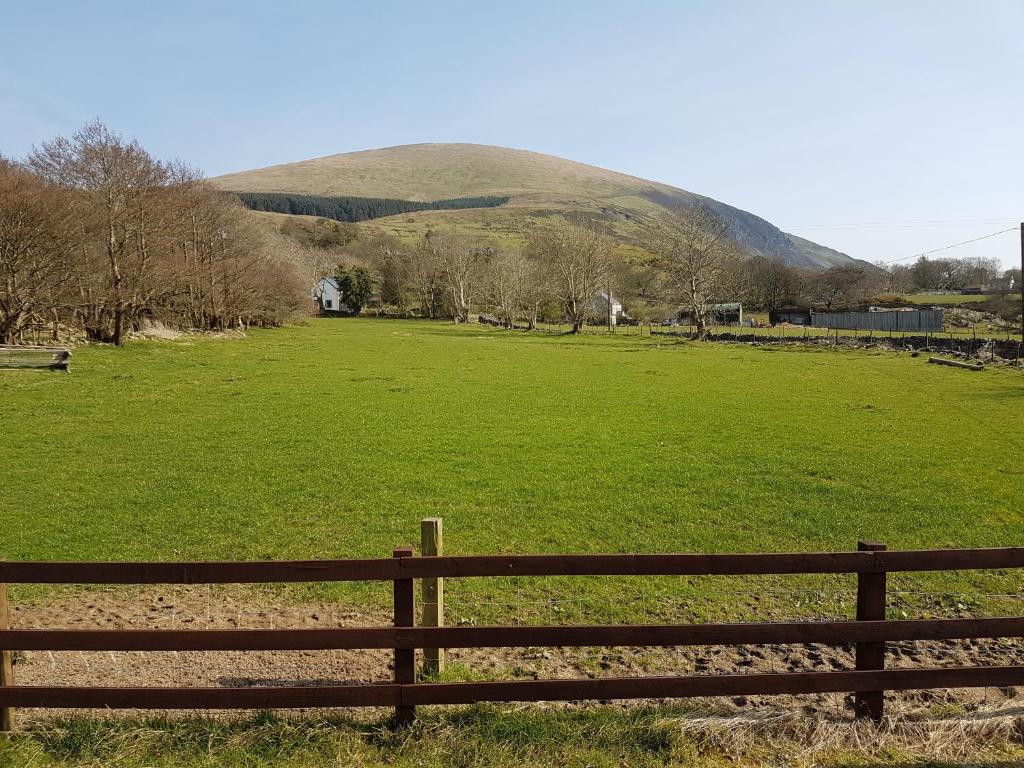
[327, 295]
[600, 306]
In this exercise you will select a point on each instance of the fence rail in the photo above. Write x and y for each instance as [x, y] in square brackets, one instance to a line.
[869, 632]
[390, 569]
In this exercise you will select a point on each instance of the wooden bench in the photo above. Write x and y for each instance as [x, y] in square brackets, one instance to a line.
[52, 358]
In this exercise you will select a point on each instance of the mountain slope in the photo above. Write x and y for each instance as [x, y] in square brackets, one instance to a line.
[537, 186]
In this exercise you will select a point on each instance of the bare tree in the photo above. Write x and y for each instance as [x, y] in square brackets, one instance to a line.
[838, 285]
[772, 284]
[152, 241]
[35, 251]
[579, 262]
[696, 251]
[119, 184]
[392, 264]
[500, 287]
[461, 262]
[425, 278]
[531, 287]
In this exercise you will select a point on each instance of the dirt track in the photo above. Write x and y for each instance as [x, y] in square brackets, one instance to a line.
[199, 608]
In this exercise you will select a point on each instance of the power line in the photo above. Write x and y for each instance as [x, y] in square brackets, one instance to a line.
[954, 245]
[902, 224]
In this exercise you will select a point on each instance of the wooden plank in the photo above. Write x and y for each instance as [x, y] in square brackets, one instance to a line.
[690, 686]
[714, 564]
[782, 633]
[871, 599]
[947, 559]
[198, 573]
[509, 565]
[390, 694]
[261, 697]
[956, 363]
[635, 565]
[432, 591]
[405, 658]
[7, 717]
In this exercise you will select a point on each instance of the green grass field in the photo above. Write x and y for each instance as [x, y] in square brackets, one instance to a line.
[334, 439]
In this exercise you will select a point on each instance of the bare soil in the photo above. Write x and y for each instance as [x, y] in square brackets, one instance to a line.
[209, 608]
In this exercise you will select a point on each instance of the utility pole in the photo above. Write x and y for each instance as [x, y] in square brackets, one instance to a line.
[1021, 288]
[611, 315]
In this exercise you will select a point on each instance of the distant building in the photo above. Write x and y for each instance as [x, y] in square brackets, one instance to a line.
[889, 320]
[793, 316]
[720, 314]
[328, 297]
[600, 307]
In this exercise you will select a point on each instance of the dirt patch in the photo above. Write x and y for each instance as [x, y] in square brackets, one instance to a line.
[211, 608]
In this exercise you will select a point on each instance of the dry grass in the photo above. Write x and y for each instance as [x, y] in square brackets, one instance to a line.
[522, 736]
[813, 741]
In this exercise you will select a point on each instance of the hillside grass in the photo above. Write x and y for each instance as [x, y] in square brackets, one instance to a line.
[440, 171]
[943, 298]
[538, 186]
[335, 438]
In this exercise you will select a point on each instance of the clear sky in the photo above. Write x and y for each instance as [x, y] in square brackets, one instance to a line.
[817, 115]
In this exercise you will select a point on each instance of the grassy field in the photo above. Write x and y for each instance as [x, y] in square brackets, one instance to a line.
[334, 439]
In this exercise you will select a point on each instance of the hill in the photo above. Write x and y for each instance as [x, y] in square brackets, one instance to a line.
[535, 184]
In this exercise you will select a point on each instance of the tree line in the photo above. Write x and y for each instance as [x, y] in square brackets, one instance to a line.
[685, 262]
[948, 274]
[353, 209]
[559, 273]
[99, 237]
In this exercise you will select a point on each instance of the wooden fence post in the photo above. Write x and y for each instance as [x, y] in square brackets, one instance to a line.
[6, 661]
[432, 591]
[871, 600]
[405, 658]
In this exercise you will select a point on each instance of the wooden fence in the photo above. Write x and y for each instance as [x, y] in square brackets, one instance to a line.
[869, 632]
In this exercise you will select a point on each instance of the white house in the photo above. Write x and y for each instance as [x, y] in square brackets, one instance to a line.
[327, 295]
[600, 306]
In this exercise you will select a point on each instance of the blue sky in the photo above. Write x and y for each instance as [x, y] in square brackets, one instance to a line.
[816, 115]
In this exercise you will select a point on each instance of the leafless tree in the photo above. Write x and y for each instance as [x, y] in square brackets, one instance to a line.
[425, 278]
[460, 261]
[119, 184]
[35, 251]
[531, 287]
[838, 285]
[147, 240]
[696, 251]
[500, 287]
[579, 262]
[390, 259]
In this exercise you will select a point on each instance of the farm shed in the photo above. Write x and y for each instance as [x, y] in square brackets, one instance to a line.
[722, 314]
[897, 320]
[791, 316]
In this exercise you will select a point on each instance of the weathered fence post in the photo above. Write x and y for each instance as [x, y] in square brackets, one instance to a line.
[432, 591]
[871, 601]
[405, 658]
[6, 661]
